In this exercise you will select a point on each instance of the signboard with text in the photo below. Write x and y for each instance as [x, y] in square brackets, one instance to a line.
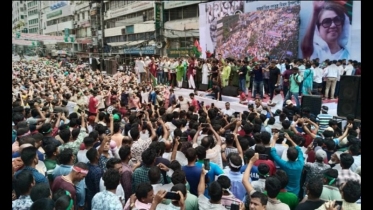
[174, 4]
[148, 50]
[157, 15]
[179, 52]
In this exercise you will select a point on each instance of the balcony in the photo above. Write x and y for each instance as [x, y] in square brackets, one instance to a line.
[59, 27]
[129, 21]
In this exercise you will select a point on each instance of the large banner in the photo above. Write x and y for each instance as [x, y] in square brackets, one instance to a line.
[327, 30]
[272, 32]
[210, 14]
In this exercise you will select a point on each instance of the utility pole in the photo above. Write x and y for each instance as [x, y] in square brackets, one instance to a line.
[102, 34]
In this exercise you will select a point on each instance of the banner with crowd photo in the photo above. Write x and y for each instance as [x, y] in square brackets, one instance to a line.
[334, 33]
[209, 16]
[255, 35]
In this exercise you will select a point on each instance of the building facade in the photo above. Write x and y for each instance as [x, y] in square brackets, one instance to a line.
[19, 16]
[181, 27]
[82, 26]
[130, 27]
[58, 20]
[34, 18]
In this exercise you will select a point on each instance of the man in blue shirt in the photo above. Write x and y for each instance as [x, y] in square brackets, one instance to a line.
[258, 80]
[242, 76]
[293, 167]
[254, 176]
[215, 170]
[192, 172]
[30, 159]
[234, 174]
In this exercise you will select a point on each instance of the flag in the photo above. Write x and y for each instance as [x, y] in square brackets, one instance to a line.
[154, 80]
[196, 44]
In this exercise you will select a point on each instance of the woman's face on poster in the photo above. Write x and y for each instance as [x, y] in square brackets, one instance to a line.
[330, 26]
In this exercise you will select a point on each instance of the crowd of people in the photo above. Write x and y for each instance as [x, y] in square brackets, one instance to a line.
[85, 140]
[261, 33]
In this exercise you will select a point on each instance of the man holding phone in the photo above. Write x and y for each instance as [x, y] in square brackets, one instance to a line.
[177, 196]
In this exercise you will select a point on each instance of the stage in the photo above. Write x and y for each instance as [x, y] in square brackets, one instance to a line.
[234, 101]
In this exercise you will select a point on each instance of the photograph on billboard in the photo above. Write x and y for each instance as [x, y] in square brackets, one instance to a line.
[210, 14]
[265, 32]
[327, 30]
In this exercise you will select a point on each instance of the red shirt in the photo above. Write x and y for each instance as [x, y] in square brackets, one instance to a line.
[312, 157]
[242, 96]
[308, 139]
[92, 105]
[60, 183]
[195, 104]
[190, 69]
[271, 165]
[152, 68]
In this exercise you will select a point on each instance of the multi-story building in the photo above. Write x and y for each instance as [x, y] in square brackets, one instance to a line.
[34, 21]
[181, 26]
[19, 16]
[82, 25]
[58, 20]
[130, 27]
[57, 17]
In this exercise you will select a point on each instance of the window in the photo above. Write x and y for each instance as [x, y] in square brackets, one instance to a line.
[150, 14]
[131, 37]
[83, 15]
[190, 11]
[175, 14]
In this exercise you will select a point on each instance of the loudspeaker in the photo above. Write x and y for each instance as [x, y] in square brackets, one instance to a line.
[313, 102]
[185, 84]
[230, 91]
[203, 87]
[349, 98]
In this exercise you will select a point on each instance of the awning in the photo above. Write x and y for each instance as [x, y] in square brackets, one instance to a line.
[139, 42]
[84, 41]
[22, 42]
[115, 44]
[38, 37]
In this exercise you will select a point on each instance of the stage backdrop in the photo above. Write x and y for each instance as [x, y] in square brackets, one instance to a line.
[209, 15]
[260, 33]
[347, 35]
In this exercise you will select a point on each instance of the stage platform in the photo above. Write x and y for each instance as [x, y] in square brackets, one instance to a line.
[234, 101]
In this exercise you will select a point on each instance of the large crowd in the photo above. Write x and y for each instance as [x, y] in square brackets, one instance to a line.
[262, 33]
[82, 139]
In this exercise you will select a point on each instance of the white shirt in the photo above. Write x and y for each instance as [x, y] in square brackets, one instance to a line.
[183, 104]
[228, 112]
[140, 65]
[331, 71]
[119, 192]
[70, 106]
[180, 157]
[279, 100]
[317, 75]
[357, 163]
[144, 97]
[82, 156]
[157, 187]
[170, 126]
[348, 69]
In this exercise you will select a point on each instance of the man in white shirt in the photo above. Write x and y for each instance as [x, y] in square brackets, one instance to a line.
[228, 111]
[340, 71]
[331, 73]
[317, 77]
[140, 65]
[114, 163]
[348, 68]
[277, 101]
